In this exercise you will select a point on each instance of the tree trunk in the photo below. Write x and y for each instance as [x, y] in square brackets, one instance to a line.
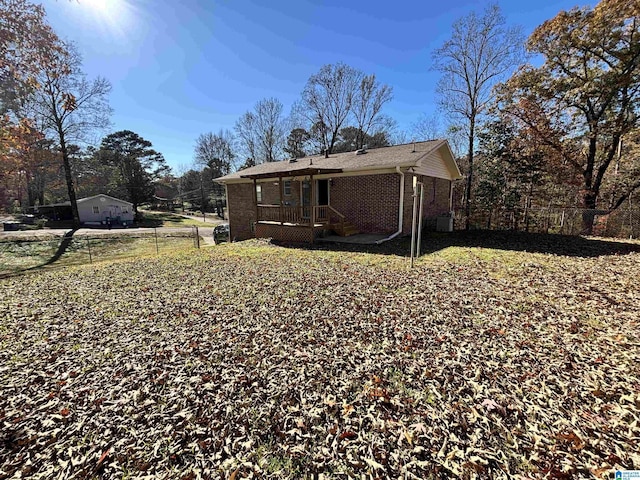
[467, 206]
[31, 190]
[69, 178]
[588, 214]
[527, 207]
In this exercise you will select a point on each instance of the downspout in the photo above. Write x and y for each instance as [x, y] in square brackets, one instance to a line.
[400, 210]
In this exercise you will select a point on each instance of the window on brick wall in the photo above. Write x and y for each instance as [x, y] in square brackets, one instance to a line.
[96, 209]
[259, 193]
[287, 187]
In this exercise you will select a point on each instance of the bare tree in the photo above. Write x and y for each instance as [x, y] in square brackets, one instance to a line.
[427, 127]
[481, 52]
[71, 108]
[399, 137]
[368, 101]
[262, 132]
[271, 128]
[327, 100]
[215, 151]
[246, 131]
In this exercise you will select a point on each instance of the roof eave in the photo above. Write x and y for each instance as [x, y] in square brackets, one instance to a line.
[338, 172]
[294, 173]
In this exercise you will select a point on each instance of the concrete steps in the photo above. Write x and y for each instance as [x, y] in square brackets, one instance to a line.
[345, 230]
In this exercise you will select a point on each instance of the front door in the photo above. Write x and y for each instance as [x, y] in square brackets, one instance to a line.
[322, 195]
[323, 192]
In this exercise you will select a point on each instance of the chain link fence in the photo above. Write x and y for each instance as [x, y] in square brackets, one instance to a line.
[49, 251]
[620, 223]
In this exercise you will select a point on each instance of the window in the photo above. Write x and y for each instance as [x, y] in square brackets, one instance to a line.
[96, 209]
[259, 193]
[124, 210]
[287, 187]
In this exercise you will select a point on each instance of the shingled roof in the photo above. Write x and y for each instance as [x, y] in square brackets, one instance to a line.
[406, 155]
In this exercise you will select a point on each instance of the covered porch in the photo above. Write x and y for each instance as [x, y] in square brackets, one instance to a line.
[297, 223]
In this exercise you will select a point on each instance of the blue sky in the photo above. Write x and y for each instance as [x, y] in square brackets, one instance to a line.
[182, 68]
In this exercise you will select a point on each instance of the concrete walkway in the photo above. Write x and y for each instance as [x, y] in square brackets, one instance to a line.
[358, 239]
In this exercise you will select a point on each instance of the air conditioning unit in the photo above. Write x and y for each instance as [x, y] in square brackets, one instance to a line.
[444, 223]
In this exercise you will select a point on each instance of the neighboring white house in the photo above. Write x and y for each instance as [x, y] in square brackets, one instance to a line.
[100, 208]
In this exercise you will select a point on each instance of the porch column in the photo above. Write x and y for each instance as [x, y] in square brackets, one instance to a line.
[255, 197]
[313, 208]
[280, 190]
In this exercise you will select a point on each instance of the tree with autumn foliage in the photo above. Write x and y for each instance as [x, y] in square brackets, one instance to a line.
[28, 46]
[70, 108]
[585, 98]
[515, 174]
[43, 91]
[619, 186]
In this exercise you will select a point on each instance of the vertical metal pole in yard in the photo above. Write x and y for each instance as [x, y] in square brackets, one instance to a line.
[420, 218]
[197, 237]
[155, 232]
[89, 246]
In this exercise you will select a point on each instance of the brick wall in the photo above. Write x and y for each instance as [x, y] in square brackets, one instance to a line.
[440, 204]
[271, 193]
[241, 205]
[241, 210]
[436, 201]
[370, 202]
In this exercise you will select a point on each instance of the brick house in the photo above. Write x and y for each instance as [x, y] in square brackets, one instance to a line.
[368, 191]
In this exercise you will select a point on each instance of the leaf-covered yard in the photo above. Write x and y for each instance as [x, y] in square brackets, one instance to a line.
[258, 361]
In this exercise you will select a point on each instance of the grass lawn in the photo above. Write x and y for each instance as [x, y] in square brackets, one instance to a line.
[168, 219]
[16, 256]
[253, 360]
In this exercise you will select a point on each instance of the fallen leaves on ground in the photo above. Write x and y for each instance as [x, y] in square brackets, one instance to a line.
[257, 361]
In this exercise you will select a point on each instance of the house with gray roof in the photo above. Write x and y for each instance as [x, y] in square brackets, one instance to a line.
[367, 191]
[98, 209]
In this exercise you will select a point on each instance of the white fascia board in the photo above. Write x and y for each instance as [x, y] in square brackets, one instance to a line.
[374, 170]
